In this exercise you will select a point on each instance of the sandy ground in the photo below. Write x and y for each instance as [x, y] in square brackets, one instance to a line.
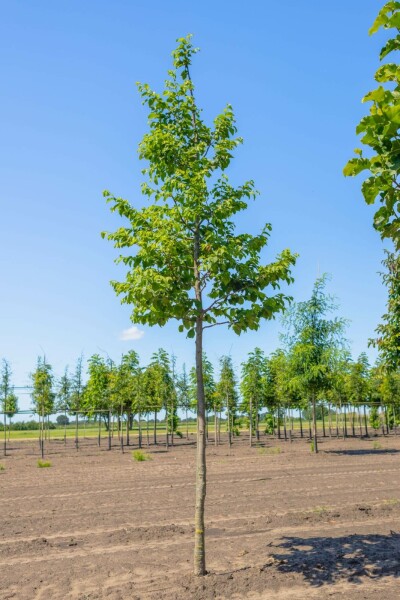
[288, 525]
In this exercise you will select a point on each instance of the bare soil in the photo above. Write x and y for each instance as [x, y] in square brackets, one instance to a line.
[291, 525]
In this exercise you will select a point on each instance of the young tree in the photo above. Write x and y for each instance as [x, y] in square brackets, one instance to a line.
[379, 132]
[64, 392]
[64, 399]
[97, 392]
[43, 394]
[226, 393]
[190, 264]
[253, 388]
[208, 387]
[388, 338]
[8, 398]
[312, 339]
[183, 390]
[358, 385]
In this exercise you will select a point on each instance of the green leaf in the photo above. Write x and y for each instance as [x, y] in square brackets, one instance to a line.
[355, 166]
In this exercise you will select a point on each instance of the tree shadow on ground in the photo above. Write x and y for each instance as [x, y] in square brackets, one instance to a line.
[364, 451]
[324, 560]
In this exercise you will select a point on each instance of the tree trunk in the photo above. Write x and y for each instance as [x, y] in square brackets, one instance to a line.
[365, 422]
[99, 433]
[257, 419]
[279, 423]
[314, 417]
[109, 430]
[301, 424]
[5, 434]
[199, 538]
[187, 426]
[155, 428]
[228, 423]
[76, 431]
[284, 424]
[140, 430]
[215, 426]
[330, 420]
[250, 421]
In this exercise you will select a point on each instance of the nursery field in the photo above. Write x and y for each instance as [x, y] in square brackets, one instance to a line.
[282, 523]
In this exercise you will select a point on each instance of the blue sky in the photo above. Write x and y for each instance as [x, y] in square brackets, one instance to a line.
[294, 72]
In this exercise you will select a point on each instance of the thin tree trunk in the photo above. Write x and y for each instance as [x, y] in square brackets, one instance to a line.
[65, 428]
[228, 422]
[109, 429]
[314, 424]
[5, 434]
[199, 539]
[215, 426]
[301, 424]
[337, 422]
[257, 419]
[284, 423]
[330, 420]
[155, 428]
[251, 421]
[140, 430]
[76, 431]
[323, 420]
[99, 432]
[128, 421]
[365, 422]
[279, 423]
[359, 420]
[187, 425]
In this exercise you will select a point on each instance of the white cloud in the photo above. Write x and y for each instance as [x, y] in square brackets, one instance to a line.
[133, 333]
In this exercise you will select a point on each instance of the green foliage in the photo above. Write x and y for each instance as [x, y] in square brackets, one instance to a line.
[8, 399]
[253, 384]
[43, 464]
[185, 240]
[62, 420]
[313, 341]
[140, 456]
[226, 389]
[269, 423]
[2, 467]
[388, 340]
[358, 382]
[209, 385]
[374, 419]
[379, 131]
[43, 394]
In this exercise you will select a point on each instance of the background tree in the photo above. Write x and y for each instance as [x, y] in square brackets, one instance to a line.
[379, 132]
[253, 388]
[189, 263]
[208, 387]
[226, 394]
[388, 338]
[184, 400]
[312, 339]
[43, 395]
[358, 385]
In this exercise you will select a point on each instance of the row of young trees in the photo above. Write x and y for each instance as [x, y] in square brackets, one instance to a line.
[313, 368]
